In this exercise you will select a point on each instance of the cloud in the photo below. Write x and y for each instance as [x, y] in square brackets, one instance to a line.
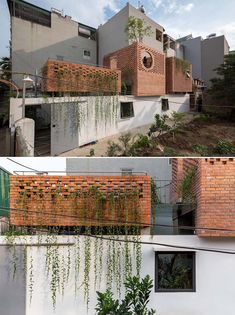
[173, 6]
[229, 31]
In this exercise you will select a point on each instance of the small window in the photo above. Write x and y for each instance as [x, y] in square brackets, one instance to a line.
[147, 59]
[127, 171]
[58, 57]
[165, 104]
[127, 110]
[86, 54]
[175, 272]
[158, 35]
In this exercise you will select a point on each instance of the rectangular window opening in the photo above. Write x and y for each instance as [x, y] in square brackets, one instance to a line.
[86, 54]
[165, 104]
[127, 110]
[158, 35]
[175, 271]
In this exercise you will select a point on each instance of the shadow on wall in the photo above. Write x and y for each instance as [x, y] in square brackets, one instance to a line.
[69, 50]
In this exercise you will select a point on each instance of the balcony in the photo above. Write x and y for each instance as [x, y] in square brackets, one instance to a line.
[61, 76]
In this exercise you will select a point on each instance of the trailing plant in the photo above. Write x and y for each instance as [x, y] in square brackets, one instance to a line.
[154, 193]
[182, 65]
[186, 185]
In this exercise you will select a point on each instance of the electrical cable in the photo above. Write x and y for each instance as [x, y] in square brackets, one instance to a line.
[32, 169]
[134, 223]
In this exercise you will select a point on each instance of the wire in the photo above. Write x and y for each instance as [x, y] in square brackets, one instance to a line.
[144, 224]
[32, 169]
[120, 240]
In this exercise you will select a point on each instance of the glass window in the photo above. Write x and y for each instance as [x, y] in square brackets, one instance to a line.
[86, 54]
[127, 110]
[175, 271]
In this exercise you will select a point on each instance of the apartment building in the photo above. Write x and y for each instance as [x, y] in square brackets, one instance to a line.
[190, 255]
[205, 55]
[84, 63]
[38, 35]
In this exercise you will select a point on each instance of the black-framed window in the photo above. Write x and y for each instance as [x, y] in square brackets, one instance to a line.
[127, 110]
[175, 271]
[165, 104]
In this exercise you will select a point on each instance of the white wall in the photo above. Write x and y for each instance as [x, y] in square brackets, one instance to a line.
[94, 112]
[215, 280]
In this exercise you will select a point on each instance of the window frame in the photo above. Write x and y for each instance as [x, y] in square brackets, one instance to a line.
[132, 113]
[85, 56]
[156, 289]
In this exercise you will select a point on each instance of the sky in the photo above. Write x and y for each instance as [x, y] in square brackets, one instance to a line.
[49, 164]
[178, 17]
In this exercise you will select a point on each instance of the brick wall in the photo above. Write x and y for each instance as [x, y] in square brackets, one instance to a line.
[73, 201]
[214, 190]
[144, 81]
[62, 76]
[176, 79]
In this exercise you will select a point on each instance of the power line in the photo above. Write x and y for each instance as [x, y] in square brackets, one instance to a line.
[32, 169]
[137, 223]
[121, 240]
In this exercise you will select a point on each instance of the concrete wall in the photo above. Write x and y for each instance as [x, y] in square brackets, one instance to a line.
[12, 291]
[159, 169]
[65, 132]
[194, 56]
[34, 44]
[213, 51]
[112, 34]
[215, 280]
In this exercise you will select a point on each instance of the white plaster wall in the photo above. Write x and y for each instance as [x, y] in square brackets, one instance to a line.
[94, 112]
[33, 44]
[145, 108]
[215, 280]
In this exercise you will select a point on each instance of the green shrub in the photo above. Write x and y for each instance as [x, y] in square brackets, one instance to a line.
[224, 147]
[200, 149]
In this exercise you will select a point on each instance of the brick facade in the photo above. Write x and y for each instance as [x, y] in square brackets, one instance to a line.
[176, 78]
[214, 190]
[144, 81]
[62, 76]
[73, 201]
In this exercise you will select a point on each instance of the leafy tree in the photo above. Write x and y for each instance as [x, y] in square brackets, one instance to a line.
[134, 303]
[5, 66]
[223, 87]
[136, 29]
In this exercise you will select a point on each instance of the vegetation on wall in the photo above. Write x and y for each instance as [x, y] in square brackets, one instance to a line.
[99, 215]
[182, 65]
[187, 185]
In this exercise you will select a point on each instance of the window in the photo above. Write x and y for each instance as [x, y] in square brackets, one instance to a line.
[158, 35]
[175, 272]
[165, 104]
[127, 110]
[127, 171]
[86, 54]
[58, 57]
[147, 59]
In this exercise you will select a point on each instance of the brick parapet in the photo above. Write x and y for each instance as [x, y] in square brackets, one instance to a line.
[62, 76]
[51, 201]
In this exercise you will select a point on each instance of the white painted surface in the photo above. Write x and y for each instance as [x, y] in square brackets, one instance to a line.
[27, 132]
[99, 116]
[215, 281]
